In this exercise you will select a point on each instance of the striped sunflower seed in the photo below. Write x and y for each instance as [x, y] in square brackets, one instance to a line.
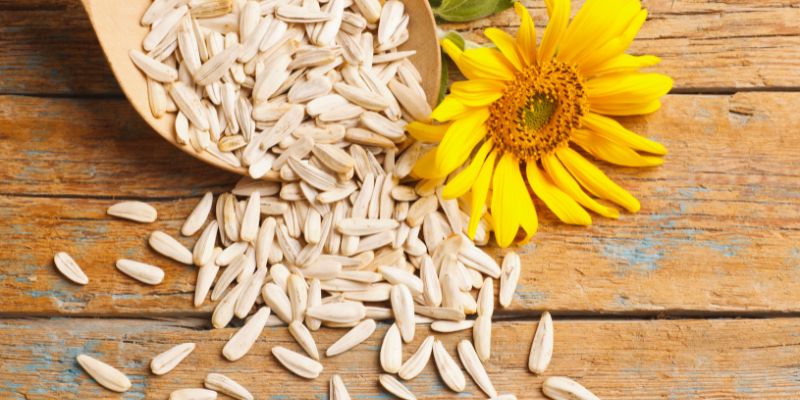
[403, 309]
[448, 369]
[297, 363]
[223, 312]
[396, 388]
[414, 365]
[69, 268]
[352, 338]
[241, 342]
[193, 394]
[133, 210]
[167, 246]
[303, 337]
[391, 353]
[563, 388]
[509, 278]
[106, 375]
[168, 360]
[225, 385]
[198, 216]
[472, 363]
[154, 69]
[142, 272]
[542, 347]
[337, 389]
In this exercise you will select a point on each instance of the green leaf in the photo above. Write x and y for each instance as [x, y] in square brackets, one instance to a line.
[435, 3]
[444, 80]
[469, 10]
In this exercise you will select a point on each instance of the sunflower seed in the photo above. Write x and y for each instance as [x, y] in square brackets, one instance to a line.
[142, 272]
[391, 16]
[241, 342]
[69, 268]
[210, 8]
[313, 176]
[198, 216]
[154, 69]
[383, 126]
[344, 312]
[297, 363]
[441, 313]
[414, 365]
[475, 258]
[469, 358]
[366, 137]
[264, 241]
[134, 211]
[302, 335]
[352, 338]
[156, 10]
[398, 276]
[314, 299]
[364, 226]
[310, 89]
[230, 274]
[298, 296]
[189, 104]
[225, 385]
[337, 389]
[276, 298]
[396, 388]
[223, 312]
[204, 247]
[509, 278]
[482, 336]
[419, 209]
[300, 15]
[486, 298]
[452, 326]
[167, 246]
[193, 394]
[542, 347]
[168, 360]
[106, 375]
[448, 369]
[205, 278]
[376, 292]
[250, 293]
[230, 253]
[249, 228]
[403, 308]
[163, 27]
[391, 353]
[563, 388]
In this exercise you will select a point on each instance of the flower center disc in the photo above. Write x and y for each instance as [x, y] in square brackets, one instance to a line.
[538, 111]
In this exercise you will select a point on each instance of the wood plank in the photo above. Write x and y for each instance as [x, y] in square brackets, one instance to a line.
[47, 46]
[685, 359]
[92, 147]
[719, 230]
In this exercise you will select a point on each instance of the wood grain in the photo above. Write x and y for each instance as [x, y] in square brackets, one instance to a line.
[719, 230]
[716, 359]
[48, 46]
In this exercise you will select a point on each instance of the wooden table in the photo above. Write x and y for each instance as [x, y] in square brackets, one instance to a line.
[695, 297]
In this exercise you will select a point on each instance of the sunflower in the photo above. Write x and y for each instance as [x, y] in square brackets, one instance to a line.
[514, 126]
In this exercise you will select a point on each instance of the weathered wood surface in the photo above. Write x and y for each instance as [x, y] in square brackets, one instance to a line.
[48, 46]
[719, 230]
[703, 359]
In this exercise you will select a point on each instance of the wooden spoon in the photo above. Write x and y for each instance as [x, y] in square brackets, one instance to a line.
[116, 23]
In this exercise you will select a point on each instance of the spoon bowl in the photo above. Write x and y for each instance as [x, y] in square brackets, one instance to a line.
[117, 26]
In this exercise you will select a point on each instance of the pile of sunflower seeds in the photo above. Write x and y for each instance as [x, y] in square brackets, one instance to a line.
[259, 83]
[312, 97]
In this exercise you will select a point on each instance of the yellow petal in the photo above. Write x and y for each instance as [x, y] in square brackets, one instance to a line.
[615, 132]
[563, 206]
[426, 132]
[504, 202]
[505, 43]
[477, 92]
[528, 221]
[449, 109]
[486, 63]
[621, 63]
[624, 109]
[567, 183]
[457, 144]
[594, 24]
[463, 181]
[627, 87]
[526, 35]
[607, 150]
[615, 46]
[556, 27]
[479, 192]
[425, 167]
[595, 180]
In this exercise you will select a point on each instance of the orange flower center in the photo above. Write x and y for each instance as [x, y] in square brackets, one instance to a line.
[538, 111]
